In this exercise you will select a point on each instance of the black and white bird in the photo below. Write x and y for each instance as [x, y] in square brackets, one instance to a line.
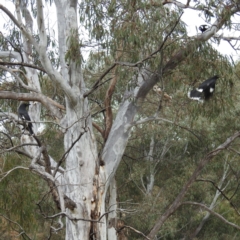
[205, 89]
[23, 114]
[203, 28]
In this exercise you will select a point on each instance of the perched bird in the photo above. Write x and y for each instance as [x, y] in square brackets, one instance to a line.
[205, 90]
[203, 28]
[23, 114]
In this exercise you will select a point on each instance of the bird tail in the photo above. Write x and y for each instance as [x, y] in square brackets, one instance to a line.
[30, 128]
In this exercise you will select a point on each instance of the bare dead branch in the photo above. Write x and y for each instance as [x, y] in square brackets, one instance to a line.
[61, 200]
[20, 227]
[5, 174]
[96, 84]
[178, 200]
[212, 212]
[227, 38]
[23, 65]
[155, 118]
[135, 230]
[18, 78]
[11, 16]
[71, 218]
[7, 135]
[222, 193]
[66, 153]
[13, 46]
[57, 229]
[183, 6]
[15, 147]
[98, 128]
[23, 153]
[39, 97]
[214, 201]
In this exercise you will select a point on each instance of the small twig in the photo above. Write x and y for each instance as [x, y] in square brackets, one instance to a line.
[222, 193]
[155, 118]
[22, 64]
[71, 218]
[66, 153]
[13, 46]
[13, 148]
[21, 228]
[8, 172]
[19, 79]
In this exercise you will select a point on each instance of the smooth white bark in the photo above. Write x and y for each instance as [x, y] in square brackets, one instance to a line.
[112, 209]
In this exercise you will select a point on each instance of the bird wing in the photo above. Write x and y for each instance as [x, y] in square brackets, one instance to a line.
[25, 116]
[208, 84]
[195, 95]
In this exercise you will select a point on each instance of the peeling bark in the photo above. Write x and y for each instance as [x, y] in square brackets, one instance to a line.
[108, 99]
[112, 211]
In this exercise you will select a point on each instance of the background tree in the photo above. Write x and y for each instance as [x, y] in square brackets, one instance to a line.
[165, 143]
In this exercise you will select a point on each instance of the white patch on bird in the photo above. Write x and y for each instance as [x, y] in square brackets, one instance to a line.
[198, 99]
[199, 89]
[211, 89]
[194, 98]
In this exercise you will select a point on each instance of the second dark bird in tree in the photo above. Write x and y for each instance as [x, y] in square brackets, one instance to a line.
[205, 89]
[203, 28]
[23, 114]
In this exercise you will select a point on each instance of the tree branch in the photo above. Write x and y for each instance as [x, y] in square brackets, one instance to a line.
[178, 200]
[39, 97]
[18, 78]
[5, 174]
[213, 203]
[222, 193]
[98, 128]
[212, 212]
[66, 153]
[23, 65]
[153, 79]
[41, 26]
[197, 40]
[11, 16]
[21, 228]
[181, 5]
[53, 183]
[15, 147]
[135, 230]
[97, 83]
[52, 73]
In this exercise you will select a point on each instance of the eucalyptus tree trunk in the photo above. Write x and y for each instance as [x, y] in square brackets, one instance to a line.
[82, 159]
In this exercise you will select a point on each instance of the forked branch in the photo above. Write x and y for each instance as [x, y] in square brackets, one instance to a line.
[178, 200]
